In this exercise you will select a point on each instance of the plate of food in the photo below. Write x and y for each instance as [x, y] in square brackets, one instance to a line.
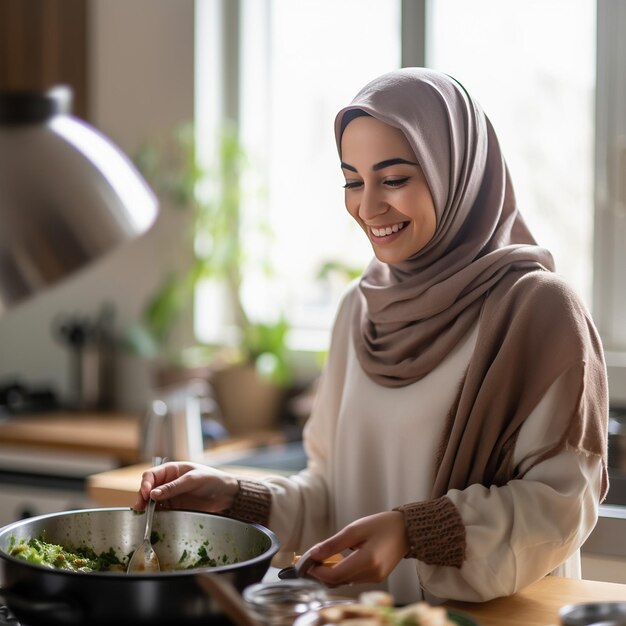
[377, 609]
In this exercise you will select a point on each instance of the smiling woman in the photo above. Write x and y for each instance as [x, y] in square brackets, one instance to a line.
[390, 198]
[457, 445]
[285, 77]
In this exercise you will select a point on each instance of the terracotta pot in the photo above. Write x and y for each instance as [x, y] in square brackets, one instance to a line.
[248, 401]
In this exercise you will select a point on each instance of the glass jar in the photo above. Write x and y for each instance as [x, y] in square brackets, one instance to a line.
[281, 603]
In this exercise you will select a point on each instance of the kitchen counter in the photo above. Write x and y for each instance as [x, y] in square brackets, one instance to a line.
[539, 603]
[107, 434]
[46, 457]
[118, 487]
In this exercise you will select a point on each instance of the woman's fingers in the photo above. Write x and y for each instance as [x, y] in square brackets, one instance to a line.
[140, 503]
[352, 569]
[341, 572]
[187, 485]
[343, 540]
[177, 480]
[147, 484]
[378, 543]
[156, 477]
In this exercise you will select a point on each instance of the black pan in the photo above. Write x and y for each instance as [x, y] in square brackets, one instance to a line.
[39, 596]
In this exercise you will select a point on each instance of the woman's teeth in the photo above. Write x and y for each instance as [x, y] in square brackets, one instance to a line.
[387, 230]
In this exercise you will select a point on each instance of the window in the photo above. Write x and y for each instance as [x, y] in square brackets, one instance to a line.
[610, 200]
[301, 60]
[535, 80]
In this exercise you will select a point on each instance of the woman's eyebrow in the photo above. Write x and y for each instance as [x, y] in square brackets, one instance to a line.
[345, 166]
[381, 165]
[388, 162]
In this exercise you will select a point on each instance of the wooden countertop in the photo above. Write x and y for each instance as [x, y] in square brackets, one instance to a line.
[119, 487]
[112, 434]
[539, 603]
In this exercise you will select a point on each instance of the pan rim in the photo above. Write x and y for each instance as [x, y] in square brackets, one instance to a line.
[267, 554]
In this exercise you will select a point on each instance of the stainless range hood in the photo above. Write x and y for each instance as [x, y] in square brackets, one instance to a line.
[67, 194]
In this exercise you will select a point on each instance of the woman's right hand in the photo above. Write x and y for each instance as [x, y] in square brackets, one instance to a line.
[183, 485]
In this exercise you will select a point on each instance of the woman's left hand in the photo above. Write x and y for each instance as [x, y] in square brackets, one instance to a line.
[379, 542]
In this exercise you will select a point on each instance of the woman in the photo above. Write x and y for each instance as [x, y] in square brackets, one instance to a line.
[457, 448]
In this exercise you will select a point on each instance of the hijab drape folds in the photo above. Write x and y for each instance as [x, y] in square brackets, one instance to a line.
[482, 263]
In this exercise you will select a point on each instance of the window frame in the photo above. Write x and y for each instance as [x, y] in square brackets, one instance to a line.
[609, 297]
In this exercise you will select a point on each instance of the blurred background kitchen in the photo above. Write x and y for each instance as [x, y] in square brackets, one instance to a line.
[204, 337]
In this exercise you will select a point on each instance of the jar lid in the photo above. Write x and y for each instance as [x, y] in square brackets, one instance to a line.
[279, 603]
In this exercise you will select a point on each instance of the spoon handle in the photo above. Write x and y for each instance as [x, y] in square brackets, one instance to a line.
[156, 460]
[149, 515]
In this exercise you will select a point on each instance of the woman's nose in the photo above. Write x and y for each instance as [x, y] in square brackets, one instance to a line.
[371, 205]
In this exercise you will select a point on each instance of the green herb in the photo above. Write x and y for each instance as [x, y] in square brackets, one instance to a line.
[203, 560]
[81, 559]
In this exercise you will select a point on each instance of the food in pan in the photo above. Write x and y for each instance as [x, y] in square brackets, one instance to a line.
[82, 559]
[85, 558]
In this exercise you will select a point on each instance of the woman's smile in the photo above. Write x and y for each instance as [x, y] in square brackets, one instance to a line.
[385, 232]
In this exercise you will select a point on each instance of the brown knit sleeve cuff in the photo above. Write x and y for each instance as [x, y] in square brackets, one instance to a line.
[435, 531]
[252, 503]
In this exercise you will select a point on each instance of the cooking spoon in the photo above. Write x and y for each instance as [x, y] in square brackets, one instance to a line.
[144, 557]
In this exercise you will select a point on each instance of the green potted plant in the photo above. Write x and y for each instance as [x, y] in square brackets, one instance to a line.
[255, 370]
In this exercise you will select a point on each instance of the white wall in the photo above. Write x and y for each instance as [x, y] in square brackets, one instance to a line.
[141, 82]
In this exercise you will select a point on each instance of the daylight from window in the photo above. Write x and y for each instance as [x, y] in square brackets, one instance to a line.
[307, 66]
[535, 80]
[298, 67]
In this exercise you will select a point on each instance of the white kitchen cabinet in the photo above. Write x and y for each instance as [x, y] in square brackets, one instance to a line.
[603, 567]
[603, 555]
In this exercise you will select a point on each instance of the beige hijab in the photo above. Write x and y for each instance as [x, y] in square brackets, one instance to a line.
[482, 262]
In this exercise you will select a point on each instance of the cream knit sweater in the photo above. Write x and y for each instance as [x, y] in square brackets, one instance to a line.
[372, 448]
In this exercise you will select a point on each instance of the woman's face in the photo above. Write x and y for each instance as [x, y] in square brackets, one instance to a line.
[385, 190]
